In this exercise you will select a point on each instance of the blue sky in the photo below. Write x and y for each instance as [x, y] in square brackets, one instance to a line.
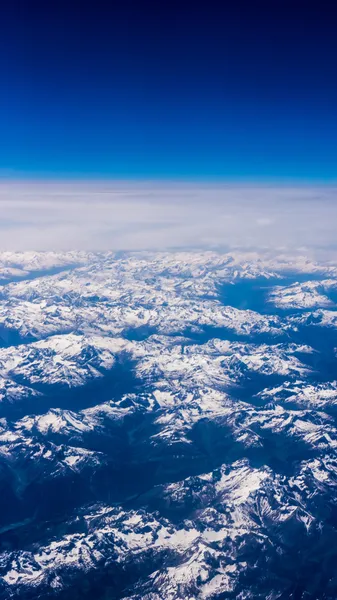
[158, 90]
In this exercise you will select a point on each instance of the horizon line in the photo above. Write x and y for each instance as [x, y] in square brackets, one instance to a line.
[223, 182]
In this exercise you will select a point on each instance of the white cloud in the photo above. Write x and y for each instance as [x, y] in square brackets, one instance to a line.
[264, 221]
[128, 216]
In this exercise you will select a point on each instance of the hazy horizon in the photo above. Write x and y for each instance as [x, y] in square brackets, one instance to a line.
[140, 215]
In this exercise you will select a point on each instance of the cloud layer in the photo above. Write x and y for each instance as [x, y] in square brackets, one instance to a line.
[141, 216]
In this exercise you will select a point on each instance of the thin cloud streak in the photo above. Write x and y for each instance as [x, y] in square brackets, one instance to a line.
[145, 216]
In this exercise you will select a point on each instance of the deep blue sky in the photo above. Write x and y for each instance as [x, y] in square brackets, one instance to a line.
[169, 89]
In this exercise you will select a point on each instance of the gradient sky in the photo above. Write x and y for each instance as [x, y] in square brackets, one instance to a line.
[169, 90]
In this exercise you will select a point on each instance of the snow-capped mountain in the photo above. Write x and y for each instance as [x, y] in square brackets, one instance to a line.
[167, 426]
